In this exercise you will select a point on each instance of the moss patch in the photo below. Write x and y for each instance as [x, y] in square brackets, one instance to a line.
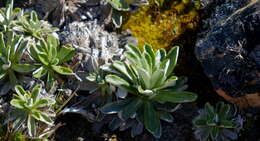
[160, 27]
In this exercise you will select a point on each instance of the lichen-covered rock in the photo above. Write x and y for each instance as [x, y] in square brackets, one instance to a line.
[228, 49]
[160, 26]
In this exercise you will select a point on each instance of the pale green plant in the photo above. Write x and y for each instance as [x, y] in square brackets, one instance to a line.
[148, 77]
[217, 123]
[123, 5]
[9, 16]
[34, 27]
[31, 108]
[49, 57]
[12, 48]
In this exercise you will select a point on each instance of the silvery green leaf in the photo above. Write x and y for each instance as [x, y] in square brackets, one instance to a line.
[173, 57]
[130, 109]
[115, 107]
[170, 82]
[122, 68]
[2, 74]
[120, 5]
[149, 50]
[139, 2]
[17, 103]
[17, 124]
[40, 72]
[23, 68]
[45, 118]
[31, 125]
[117, 18]
[230, 134]
[1, 18]
[115, 123]
[121, 93]
[117, 81]
[20, 91]
[157, 78]
[63, 70]
[151, 119]
[137, 129]
[43, 102]
[166, 116]
[144, 77]
[159, 2]
[175, 97]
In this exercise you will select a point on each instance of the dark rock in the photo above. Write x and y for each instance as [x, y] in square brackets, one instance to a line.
[228, 45]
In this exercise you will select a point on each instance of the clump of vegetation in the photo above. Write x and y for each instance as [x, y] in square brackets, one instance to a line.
[50, 56]
[217, 124]
[31, 107]
[141, 88]
[9, 16]
[159, 26]
[12, 48]
[34, 27]
[120, 6]
[147, 77]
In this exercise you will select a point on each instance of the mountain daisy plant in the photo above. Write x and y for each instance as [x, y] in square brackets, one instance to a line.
[147, 77]
[30, 109]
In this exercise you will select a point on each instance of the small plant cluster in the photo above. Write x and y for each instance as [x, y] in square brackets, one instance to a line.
[120, 6]
[141, 88]
[217, 124]
[147, 77]
[29, 48]
[22, 36]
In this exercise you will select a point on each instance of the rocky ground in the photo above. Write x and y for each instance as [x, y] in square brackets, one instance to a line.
[224, 55]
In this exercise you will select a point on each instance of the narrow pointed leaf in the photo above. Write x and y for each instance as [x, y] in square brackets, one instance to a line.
[175, 97]
[17, 103]
[65, 54]
[117, 81]
[114, 107]
[31, 125]
[40, 72]
[36, 92]
[62, 70]
[23, 68]
[20, 91]
[173, 56]
[151, 120]
[130, 109]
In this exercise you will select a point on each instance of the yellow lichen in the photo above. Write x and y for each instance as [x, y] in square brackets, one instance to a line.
[159, 27]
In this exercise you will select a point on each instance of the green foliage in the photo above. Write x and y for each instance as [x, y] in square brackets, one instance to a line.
[12, 48]
[8, 17]
[148, 77]
[50, 56]
[18, 137]
[217, 124]
[159, 2]
[34, 27]
[102, 86]
[123, 5]
[30, 108]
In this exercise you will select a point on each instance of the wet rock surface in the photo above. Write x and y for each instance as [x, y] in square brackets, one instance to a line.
[228, 45]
